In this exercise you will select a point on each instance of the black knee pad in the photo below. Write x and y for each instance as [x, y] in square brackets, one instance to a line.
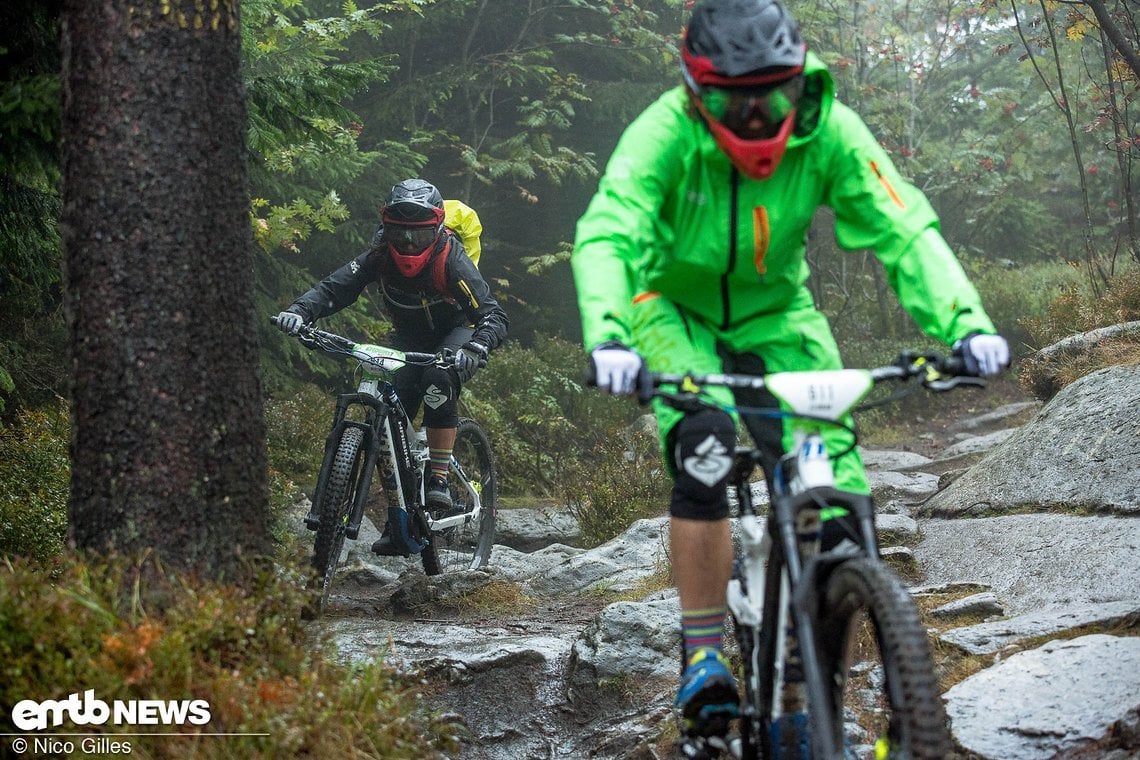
[440, 397]
[838, 529]
[703, 446]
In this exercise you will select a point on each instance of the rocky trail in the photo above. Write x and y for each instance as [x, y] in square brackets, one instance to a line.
[1014, 523]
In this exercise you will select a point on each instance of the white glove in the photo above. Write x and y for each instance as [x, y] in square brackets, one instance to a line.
[290, 322]
[983, 355]
[616, 368]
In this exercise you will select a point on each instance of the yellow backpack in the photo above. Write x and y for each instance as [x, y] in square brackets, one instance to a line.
[464, 222]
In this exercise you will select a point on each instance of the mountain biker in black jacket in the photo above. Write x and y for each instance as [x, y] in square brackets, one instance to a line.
[463, 315]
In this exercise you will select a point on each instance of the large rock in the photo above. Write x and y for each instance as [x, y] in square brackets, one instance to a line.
[628, 640]
[1035, 561]
[528, 530]
[993, 636]
[617, 565]
[1082, 451]
[1059, 701]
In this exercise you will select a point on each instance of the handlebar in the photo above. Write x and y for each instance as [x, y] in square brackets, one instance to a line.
[935, 373]
[841, 389]
[338, 344]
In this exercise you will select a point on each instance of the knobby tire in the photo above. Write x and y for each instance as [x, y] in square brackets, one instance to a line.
[334, 508]
[466, 546]
[866, 614]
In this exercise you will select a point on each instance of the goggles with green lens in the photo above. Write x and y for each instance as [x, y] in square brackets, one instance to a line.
[738, 108]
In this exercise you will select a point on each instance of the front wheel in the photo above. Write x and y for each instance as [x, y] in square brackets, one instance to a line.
[467, 546]
[340, 489]
[884, 696]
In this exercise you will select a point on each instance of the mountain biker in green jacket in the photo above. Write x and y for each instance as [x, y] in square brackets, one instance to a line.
[690, 258]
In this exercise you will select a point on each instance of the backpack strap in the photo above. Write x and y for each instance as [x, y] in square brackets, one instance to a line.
[439, 271]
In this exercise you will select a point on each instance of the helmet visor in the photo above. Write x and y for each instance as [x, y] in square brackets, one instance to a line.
[753, 113]
[411, 240]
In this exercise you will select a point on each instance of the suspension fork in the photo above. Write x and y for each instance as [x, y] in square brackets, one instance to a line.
[377, 409]
[332, 442]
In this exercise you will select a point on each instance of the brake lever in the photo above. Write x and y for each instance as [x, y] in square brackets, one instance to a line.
[949, 383]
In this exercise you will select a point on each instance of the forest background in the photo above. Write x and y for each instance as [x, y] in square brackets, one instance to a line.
[1018, 120]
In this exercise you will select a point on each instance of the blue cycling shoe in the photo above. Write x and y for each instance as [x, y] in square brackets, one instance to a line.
[707, 699]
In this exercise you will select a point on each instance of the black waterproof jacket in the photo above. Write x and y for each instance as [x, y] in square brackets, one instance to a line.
[421, 314]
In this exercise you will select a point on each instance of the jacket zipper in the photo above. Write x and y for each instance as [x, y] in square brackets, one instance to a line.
[733, 220]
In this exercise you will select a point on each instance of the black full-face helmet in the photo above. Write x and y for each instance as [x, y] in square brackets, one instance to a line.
[742, 62]
[413, 220]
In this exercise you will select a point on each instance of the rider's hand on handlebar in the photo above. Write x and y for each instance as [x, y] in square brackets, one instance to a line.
[290, 322]
[617, 369]
[983, 355]
[469, 358]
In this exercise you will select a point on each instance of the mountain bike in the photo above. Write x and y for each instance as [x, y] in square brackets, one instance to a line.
[371, 432]
[835, 661]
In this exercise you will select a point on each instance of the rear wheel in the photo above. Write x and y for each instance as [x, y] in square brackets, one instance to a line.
[467, 546]
[335, 506]
[884, 694]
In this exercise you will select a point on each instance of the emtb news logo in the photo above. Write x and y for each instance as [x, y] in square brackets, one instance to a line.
[29, 715]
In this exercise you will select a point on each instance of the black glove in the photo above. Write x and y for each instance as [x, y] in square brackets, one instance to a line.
[290, 322]
[983, 355]
[469, 358]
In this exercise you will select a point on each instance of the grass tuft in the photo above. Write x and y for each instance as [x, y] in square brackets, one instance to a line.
[243, 650]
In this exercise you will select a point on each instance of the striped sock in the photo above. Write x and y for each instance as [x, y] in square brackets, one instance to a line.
[703, 629]
[440, 459]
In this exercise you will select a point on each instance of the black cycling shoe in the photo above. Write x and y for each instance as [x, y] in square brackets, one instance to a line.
[438, 495]
[385, 547]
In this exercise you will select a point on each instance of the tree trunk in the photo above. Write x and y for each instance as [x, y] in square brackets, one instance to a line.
[167, 445]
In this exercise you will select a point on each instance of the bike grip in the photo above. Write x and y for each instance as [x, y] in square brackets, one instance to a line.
[954, 365]
[591, 375]
[273, 319]
[645, 387]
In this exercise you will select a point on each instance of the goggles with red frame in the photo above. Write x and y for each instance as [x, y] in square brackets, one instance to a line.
[753, 112]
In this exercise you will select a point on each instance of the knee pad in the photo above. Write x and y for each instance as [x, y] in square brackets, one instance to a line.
[703, 446]
[440, 398]
[839, 529]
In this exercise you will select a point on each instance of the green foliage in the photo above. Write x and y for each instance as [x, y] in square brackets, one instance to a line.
[296, 427]
[34, 483]
[555, 437]
[541, 418]
[1015, 295]
[299, 74]
[1075, 311]
[236, 647]
[618, 481]
[29, 201]
[282, 226]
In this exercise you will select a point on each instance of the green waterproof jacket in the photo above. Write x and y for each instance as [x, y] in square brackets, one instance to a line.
[672, 216]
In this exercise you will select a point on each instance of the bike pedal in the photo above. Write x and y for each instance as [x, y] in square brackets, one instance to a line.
[695, 747]
[312, 521]
[713, 726]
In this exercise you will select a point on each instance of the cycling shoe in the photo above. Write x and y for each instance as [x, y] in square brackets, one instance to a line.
[707, 699]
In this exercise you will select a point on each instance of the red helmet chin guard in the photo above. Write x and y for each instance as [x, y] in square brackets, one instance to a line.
[409, 266]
